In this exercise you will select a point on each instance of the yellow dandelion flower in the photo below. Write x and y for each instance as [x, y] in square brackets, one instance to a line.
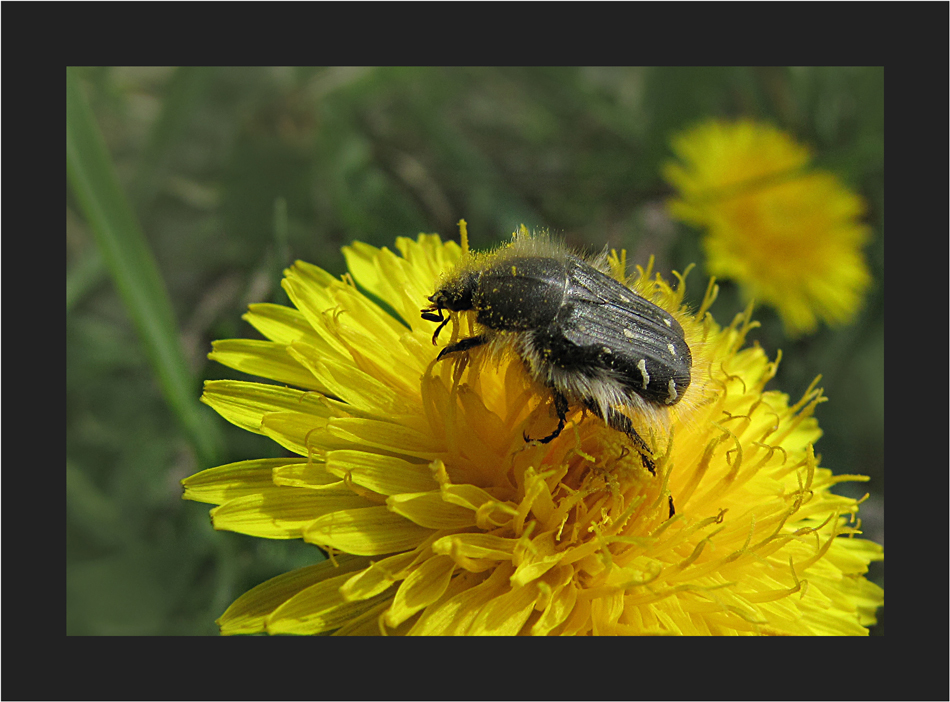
[439, 518]
[791, 237]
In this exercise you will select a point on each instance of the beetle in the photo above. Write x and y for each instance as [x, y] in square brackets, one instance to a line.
[579, 332]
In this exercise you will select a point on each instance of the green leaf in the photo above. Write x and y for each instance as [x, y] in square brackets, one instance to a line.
[127, 256]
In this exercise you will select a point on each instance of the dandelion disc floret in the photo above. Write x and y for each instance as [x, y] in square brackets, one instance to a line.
[440, 518]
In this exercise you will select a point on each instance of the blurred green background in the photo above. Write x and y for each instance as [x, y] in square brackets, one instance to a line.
[207, 182]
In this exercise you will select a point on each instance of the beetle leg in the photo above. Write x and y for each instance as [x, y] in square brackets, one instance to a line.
[560, 406]
[621, 422]
[434, 314]
[463, 345]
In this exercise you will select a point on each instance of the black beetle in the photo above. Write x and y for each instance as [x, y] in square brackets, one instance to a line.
[579, 332]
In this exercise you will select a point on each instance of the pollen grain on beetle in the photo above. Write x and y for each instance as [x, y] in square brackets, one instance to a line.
[441, 516]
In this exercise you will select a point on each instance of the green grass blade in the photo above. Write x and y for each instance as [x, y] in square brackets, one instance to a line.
[91, 176]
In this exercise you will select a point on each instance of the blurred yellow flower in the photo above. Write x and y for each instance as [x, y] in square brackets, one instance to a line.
[440, 519]
[790, 236]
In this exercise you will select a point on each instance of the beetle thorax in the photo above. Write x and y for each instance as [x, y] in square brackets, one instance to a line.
[519, 294]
